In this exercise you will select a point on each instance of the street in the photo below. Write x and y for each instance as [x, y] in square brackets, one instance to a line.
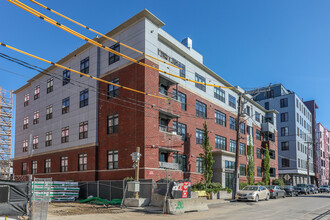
[302, 207]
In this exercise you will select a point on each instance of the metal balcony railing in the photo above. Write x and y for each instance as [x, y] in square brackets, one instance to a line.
[164, 128]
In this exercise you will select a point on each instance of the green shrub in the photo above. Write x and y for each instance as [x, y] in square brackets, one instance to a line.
[212, 187]
[260, 183]
[279, 182]
[129, 178]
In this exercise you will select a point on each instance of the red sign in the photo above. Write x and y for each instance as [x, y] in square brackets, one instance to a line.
[151, 172]
[185, 189]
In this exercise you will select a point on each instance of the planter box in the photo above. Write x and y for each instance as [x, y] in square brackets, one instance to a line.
[225, 195]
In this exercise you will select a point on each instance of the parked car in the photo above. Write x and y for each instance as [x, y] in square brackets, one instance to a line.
[302, 189]
[254, 193]
[276, 191]
[290, 190]
[313, 189]
[324, 188]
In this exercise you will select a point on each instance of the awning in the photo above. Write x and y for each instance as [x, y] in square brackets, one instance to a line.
[168, 149]
[168, 114]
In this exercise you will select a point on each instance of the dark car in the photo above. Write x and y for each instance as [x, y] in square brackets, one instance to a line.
[276, 191]
[290, 191]
[302, 189]
[313, 189]
[324, 188]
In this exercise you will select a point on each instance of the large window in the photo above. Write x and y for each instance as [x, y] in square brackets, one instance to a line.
[112, 89]
[201, 79]
[220, 142]
[34, 167]
[47, 165]
[64, 164]
[285, 162]
[36, 92]
[199, 136]
[112, 124]
[182, 98]
[84, 66]
[200, 109]
[66, 77]
[220, 94]
[272, 172]
[181, 128]
[112, 159]
[229, 164]
[83, 130]
[199, 165]
[259, 172]
[257, 116]
[284, 117]
[258, 134]
[284, 103]
[181, 160]
[285, 145]
[65, 135]
[84, 98]
[113, 57]
[232, 101]
[36, 117]
[82, 162]
[50, 85]
[242, 128]
[26, 100]
[284, 131]
[258, 153]
[35, 142]
[220, 118]
[242, 149]
[65, 105]
[242, 169]
[233, 146]
[49, 112]
[232, 123]
[49, 139]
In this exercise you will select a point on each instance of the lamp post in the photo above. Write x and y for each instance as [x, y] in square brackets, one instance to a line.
[136, 164]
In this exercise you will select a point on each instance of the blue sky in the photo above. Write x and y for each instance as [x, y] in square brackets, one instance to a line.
[248, 43]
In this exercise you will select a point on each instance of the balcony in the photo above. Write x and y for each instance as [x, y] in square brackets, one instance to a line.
[164, 128]
[166, 165]
[268, 127]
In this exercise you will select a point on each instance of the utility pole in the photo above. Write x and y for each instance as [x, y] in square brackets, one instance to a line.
[236, 173]
[137, 169]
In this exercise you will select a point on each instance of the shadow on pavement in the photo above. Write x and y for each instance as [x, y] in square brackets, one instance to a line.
[324, 214]
[316, 196]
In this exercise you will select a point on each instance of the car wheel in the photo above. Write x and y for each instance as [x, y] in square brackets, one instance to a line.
[267, 197]
[257, 198]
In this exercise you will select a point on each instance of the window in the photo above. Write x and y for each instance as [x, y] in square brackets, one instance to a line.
[84, 66]
[220, 142]
[220, 94]
[64, 164]
[49, 139]
[65, 105]
[113, 57]
[181, 160]
[284, 103]
[258, 134]
[24, 168]
[232, 101]
[257, 116]
[112, 89]
[25, 122]
[232, 146]
[248, 110]
[112, 159]
[65, 135]
[113, 124]
[66, 77]
[34, 167]
[267, 105]
[82, 162]
[284, 116]
[285, 145]
[272, 154]
[232, 123]
[83, 130]
[36, 92]
[220, 118]
[285, 162]
[26, 100]
[47, 165]
[181, 128]
[284, 131]
[49, 112]
[270, 94]
[50, 84]
[229, 164]
[242, 128]
[84, 98]
[200, 109]
[259, 172]
[242, 149]
[199, 136]
[242, 169]
[199, 165]
[35, 142]
[201, 79]
[258, 153]
[36, 117]
[182, 98]
[163, 157]
[25, 145]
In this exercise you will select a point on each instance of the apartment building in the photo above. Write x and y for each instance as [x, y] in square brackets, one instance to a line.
[168, 131]
[323, 148]
[295, 142]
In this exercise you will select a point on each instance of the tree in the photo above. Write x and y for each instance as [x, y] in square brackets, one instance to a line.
[207, 157]
[250, 157]
[266, 166]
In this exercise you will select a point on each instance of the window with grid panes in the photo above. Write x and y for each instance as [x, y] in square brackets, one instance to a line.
[26, 100]
[24, 168]
[65, 135]
[200, 109]
[112, 89]
[199, 136]
[82, 162]
[84, 66]
[181, 128]
[66, 77]
[49, 139]
[232, 101]
[232, 123]
[50, 85]
[36, 92]
[35, 142]
[113, 122]
[49, 112]
[84, 98]
[113, 57]
[201, 79]
[34, 167]
[233, 146]
[199, 165]
[66, 105]
[64, 164]
[25, 145]
[182, 98]
[242, 149]
[220, 142]
[112, 159]
[220, 118]
[36, 117]
[83, 130]
[25, 123]
[220, 94]
[47, 165]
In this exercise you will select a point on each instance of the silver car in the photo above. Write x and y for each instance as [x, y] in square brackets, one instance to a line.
[254, 193]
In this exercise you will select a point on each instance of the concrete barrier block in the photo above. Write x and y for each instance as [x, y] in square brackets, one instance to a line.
[179, 206]
[157, 200]
[132, 202]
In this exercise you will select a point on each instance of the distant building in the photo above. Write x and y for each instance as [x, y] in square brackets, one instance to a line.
[323, 149]
[295, 125]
